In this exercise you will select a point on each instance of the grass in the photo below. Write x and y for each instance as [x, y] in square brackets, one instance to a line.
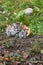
[34, 21]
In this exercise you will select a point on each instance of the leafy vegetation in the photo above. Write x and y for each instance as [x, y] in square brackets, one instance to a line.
[34, 21]
[35, 48]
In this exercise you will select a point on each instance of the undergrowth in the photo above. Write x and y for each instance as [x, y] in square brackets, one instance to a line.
[34, 21]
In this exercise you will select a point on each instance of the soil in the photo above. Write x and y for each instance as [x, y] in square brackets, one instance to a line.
[22, 48]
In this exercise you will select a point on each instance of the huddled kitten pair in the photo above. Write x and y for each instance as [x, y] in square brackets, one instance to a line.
[18, 29]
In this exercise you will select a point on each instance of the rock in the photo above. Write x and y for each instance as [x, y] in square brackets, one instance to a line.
[28, 11]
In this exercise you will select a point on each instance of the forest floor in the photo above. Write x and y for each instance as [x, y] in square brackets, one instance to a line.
[23, 47]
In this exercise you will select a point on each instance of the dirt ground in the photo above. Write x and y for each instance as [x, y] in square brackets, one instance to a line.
[22, 46]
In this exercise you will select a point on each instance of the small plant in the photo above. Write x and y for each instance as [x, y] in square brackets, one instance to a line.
[22, 18]
[10, 44]
[36, 47]
[32, 52]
